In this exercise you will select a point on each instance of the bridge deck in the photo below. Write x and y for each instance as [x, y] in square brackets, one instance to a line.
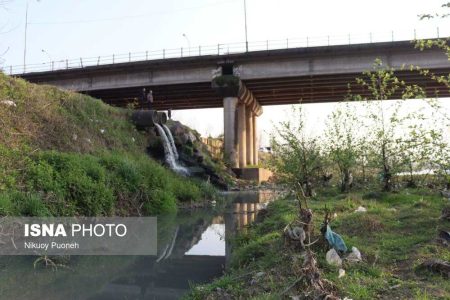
[287, 76]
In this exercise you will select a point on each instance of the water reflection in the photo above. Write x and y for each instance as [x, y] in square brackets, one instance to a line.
[193, 248]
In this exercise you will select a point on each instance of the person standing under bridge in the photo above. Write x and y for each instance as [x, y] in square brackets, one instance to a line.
[147, 98]
[150, 99]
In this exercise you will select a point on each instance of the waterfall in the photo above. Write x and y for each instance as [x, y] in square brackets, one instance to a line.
[172, 142]
[169, 152]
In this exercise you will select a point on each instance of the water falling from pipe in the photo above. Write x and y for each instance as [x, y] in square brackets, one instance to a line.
[171, 140]
[169, 153]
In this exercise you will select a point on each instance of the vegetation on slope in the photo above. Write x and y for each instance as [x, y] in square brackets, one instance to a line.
[63, 153]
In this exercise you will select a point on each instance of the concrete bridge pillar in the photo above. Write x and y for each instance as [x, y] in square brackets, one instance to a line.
[230, 129]
[240, 111]
[255, 140]
[242, 135]
[250, 136]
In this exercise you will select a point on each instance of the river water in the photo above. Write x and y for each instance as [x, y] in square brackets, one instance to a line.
[193, 248]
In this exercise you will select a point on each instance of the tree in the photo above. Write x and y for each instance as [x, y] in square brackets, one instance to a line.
[296, 156]
[342, 143]
[386, 123]
[440, 150]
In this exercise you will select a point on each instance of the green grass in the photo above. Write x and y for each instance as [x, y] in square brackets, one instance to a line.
[64, 154]
[67, 184]
[395, 235]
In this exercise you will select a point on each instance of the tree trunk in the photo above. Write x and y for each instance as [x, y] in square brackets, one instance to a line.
[387, 176]
[347, 181]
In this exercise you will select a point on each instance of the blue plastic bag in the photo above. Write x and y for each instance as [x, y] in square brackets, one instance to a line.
[335, 240]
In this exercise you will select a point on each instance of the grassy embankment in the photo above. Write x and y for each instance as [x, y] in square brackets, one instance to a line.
[63, 154]
[395, 235]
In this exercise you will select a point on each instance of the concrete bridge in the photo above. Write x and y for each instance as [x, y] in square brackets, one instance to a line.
[272, 77]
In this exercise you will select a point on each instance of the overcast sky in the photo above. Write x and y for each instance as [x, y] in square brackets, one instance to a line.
[89, 28]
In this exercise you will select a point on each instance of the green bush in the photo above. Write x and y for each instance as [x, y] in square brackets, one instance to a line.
[185, 191]
[6, 205]
[77, 184]
[160, 202]
[78, 180]
[29, 204]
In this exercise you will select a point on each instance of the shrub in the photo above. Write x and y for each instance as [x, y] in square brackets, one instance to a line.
[78, 180]
[160, 202]
[30, 204]
[77, 184]
[6, 205]
[185, 191]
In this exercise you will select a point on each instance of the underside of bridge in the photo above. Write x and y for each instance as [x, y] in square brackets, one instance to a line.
[273, 91]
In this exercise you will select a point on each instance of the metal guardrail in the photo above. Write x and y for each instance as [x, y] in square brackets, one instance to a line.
[224, 49]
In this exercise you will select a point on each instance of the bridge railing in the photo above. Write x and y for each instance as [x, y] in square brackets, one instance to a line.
[224, 49]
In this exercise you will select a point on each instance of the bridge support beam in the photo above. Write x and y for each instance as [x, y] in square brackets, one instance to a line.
[255, 140]
[249, 142]
[242, 135]
[230, 139]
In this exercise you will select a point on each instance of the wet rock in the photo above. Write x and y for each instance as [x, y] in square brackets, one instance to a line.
[191, 137]
[199, 157]
[333, 258]
[184, 135]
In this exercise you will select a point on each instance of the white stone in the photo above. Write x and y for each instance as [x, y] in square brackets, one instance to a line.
[341, 273]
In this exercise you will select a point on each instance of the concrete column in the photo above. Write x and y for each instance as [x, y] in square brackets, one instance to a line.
[229, 130]
[237, 208]
[242, 141]
[249, 144]
[251, 217]
[255, 140]
[243, 220]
